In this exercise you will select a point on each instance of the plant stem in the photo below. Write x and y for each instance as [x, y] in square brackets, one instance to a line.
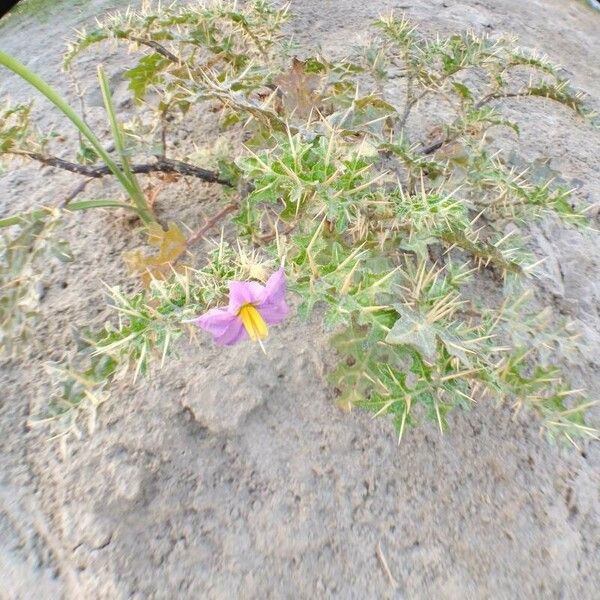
[136, 193]
[159, 48]
[51, 94]
[212, 222]
[162, 165]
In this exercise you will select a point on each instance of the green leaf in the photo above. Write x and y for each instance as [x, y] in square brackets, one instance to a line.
[463, 91]
[358, 373]
[86, 155]
[411, 329]
[99, 203]
[146, 73]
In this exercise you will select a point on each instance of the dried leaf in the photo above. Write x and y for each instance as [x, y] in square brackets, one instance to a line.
[171, 245]
[300, 89]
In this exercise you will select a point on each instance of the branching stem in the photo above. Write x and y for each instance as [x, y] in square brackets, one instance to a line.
[229, 208]
[161, 165]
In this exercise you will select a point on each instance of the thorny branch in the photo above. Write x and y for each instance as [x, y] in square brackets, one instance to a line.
[482, 102]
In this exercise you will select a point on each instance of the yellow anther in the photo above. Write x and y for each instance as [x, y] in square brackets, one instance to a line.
[253, 322]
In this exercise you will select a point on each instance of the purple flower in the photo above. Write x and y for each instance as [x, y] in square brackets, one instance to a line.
[252, 307]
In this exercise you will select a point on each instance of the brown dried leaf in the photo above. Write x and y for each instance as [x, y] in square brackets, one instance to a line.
[171, 245]
[300, 89]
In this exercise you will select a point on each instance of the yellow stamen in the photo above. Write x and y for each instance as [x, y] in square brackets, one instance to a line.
[253, 322]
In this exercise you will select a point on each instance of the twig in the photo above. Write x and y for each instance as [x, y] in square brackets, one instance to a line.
[156, 47]
[162, 165]
[499, 95]
[488, 98]
[271, 236]
[75, 192]
[435, 146]
[385, 566]
[410, 101]
[212, 222]
[170, 165]
[163, 138]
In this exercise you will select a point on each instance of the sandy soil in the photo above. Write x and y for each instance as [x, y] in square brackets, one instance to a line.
[232, 475]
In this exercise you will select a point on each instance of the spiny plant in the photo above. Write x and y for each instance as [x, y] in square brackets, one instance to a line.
[399, 228]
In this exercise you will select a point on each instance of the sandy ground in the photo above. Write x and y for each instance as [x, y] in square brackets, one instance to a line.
[231, 475]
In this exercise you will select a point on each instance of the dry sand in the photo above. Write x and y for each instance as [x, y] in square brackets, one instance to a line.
[231, 475]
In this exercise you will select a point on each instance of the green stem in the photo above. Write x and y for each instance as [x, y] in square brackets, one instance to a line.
[136, 191]
[51, 94]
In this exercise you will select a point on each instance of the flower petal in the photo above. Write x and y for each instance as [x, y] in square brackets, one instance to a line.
[273, 307]
[216, 321]
[233, 334]
[274, 313]
[226, 328]
[274, 291]
[244, 292]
